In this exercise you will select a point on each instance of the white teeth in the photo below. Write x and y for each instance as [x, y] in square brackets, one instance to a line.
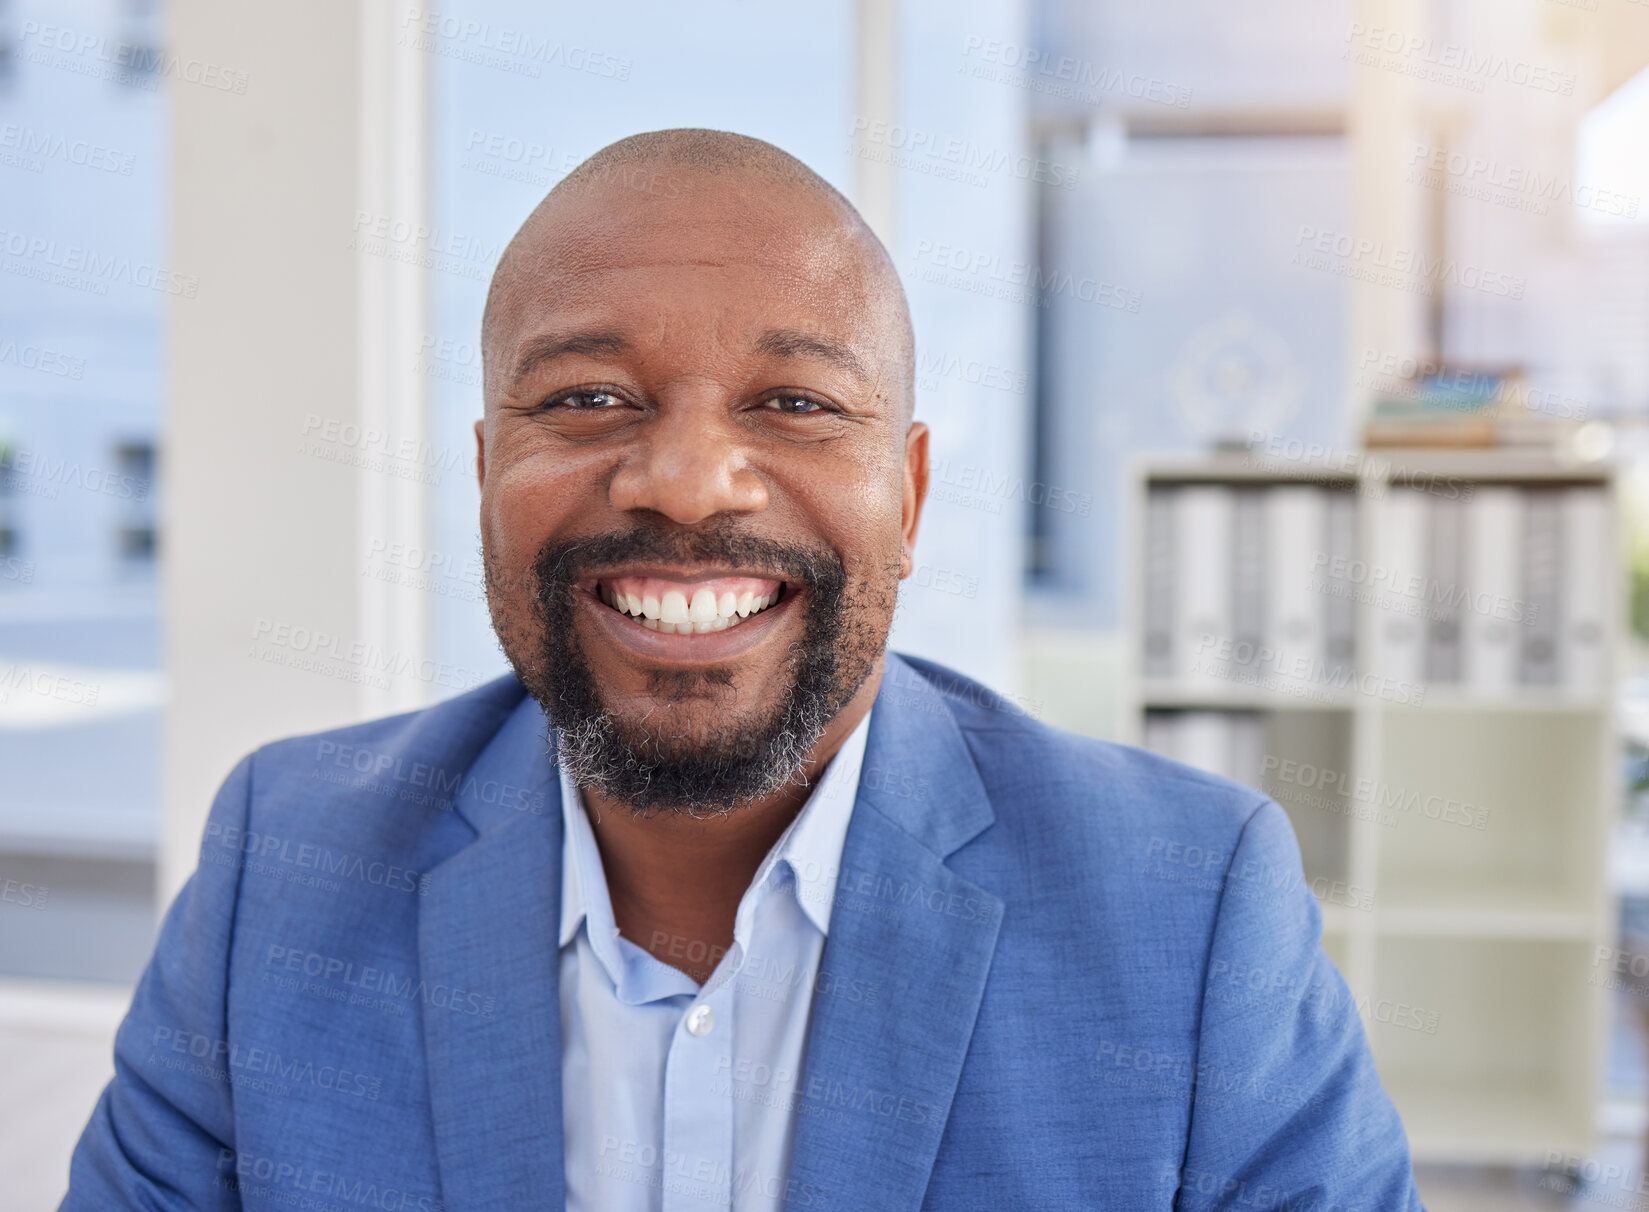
[673, 613]
[703, 608]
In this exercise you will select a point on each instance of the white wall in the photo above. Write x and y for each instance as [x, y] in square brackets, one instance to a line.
[264, 597]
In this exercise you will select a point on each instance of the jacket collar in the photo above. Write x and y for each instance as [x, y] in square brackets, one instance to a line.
[487, 925]
[905, 965]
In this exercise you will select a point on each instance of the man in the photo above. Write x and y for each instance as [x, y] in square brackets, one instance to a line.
[717, 902]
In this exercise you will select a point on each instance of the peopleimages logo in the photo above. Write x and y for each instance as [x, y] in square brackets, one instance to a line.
[1446, 386]
[914, 148]
[89, 54]
[39, 475]
[82, 268]
[279, 1181]
[230, 845]
[1395, 266]
[46, 145]
[39, 358]
[232, 1061]
[1063, 76]
[1514, 185]
[501, 46]
[1448, 63]
[982, 272]
[370, 979]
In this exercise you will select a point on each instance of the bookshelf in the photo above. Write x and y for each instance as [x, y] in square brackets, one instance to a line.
[1465, 796]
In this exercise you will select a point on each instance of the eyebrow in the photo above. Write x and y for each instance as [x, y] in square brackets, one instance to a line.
[792, 343]
[775, 342]
[547, 347]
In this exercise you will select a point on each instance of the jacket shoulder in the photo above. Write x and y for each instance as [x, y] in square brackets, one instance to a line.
[415, 759]
[1080, 782]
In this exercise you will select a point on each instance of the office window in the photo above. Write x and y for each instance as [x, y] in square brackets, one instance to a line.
[140, 49]
[8, 49]
[10, 538]
[80, 383]
[136, 533]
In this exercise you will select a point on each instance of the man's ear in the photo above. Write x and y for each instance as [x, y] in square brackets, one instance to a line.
[916, 494]
[481, 452]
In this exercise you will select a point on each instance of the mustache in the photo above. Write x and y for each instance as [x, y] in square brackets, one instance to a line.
[560, 565]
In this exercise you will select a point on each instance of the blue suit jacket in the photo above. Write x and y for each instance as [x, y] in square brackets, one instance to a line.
[1060, 974]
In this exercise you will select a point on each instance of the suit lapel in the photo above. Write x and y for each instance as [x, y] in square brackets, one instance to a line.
[905, 964]
[488, 931]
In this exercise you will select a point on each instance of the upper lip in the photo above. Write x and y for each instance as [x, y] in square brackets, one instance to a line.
[685, 576]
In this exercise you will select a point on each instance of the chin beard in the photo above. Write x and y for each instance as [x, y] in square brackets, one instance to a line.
[651, 765]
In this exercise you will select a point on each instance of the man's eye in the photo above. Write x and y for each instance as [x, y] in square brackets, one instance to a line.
[584, 401]
[795, 405]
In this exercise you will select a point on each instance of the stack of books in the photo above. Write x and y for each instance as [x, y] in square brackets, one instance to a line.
[1460, 406]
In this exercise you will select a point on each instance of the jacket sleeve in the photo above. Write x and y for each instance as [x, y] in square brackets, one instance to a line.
[162, 1134]
[1287, 1109]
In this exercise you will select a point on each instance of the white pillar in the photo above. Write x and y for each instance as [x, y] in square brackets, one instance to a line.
[293, 421]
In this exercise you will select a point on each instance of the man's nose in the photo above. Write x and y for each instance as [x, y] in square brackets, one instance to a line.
[691, 464]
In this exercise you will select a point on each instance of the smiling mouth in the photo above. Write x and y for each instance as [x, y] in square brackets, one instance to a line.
[689, 607]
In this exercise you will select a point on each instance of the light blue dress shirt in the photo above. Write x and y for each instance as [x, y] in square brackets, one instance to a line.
[677, 1097]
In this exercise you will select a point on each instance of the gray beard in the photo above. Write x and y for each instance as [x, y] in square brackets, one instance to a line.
[708, 778]
[643, 764]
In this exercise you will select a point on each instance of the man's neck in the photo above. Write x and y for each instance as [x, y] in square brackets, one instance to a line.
[675, 881]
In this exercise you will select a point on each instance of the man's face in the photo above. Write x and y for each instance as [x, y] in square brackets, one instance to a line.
[699, 489]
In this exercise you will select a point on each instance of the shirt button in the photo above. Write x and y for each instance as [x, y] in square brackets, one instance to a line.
[701, 1020]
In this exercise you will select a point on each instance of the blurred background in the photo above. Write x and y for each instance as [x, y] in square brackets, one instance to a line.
[1288, 373]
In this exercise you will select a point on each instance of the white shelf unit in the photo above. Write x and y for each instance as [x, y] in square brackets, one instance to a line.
[1485, 936]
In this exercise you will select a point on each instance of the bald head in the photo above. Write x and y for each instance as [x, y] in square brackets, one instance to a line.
[714, 187]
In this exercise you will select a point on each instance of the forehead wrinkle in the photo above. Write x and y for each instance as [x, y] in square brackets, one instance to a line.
[811, 312]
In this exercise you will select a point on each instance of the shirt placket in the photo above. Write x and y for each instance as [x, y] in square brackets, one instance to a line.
[698, 1105]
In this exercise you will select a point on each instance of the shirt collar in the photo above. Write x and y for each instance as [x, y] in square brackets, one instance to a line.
[812, 846]
[809, 851]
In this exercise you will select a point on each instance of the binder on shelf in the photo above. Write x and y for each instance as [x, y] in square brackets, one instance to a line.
[1445, 567]
[1542, 587]
[1230, 744]
[1296, 541]
[1158, 573]
[1588, 585]
[1159, 733]
[1203, 739]
[1202, 584]
[1400, 563]
[1340, 602]
[1248, 569]
[1487, 600]
[1247, 748]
